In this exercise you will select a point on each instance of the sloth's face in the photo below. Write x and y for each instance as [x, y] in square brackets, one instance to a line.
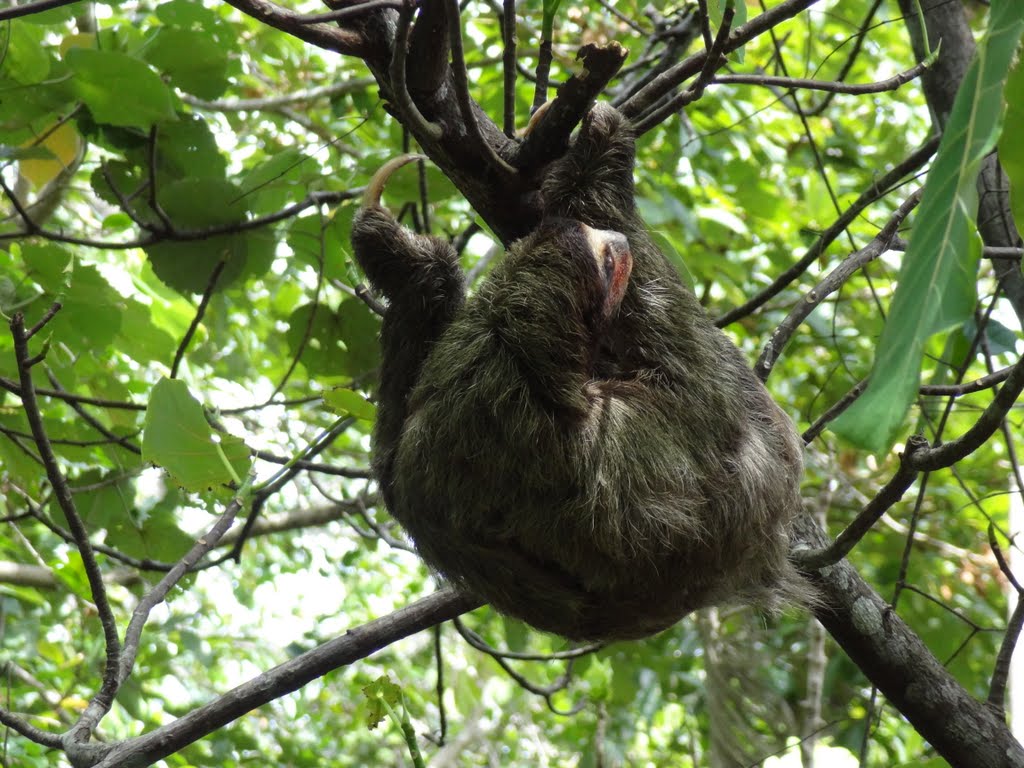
[588, 267]
[614, 261]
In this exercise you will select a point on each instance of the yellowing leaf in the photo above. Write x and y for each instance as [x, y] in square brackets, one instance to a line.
[64, 144]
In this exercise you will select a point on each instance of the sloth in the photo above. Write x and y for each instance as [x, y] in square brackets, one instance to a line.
[576, 443]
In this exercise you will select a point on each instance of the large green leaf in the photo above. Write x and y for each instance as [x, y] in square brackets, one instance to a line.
[119, 89]
[341, 343]
[1011, 148]
[109, 503]
[197, 204]
[192, 60]
[179, 439]
[24, 60]
[936, 288]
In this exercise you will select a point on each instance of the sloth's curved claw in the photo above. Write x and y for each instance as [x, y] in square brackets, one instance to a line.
[375, 188]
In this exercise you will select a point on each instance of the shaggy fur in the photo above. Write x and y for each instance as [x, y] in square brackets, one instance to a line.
[597, 478]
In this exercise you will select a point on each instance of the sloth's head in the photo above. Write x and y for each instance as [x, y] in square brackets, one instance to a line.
[580, 271]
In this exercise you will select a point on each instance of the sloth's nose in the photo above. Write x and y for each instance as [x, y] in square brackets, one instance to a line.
[616, 243]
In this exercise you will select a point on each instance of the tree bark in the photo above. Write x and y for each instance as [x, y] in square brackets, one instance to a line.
[965, 731]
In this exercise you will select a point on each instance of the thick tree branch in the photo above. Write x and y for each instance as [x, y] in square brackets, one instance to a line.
[549, 138]
[428, 49]
[327, 36]
[893, 657]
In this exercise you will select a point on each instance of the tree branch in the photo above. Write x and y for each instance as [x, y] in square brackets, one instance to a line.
[649, 96]
[62, 493]
[327, 36]
[895, 659]
[832, 282]
[549, 137]
[355, 644]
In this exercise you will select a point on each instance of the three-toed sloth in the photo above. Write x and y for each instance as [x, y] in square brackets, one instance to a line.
[576, 443]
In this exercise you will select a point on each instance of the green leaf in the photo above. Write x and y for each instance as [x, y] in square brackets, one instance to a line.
[185, 13]
[377, 693]
[341, 343]
[25, 59]
[198, 204]
[192, 60]
[108, 504]
[91, 314]
[187, 148]
[1011, 148]
[348, 402]
[120, 90]
[716, 10]
[178, 438]
[48, 265]
[140, 338]
[319, 243]
[936, 288]
[359, 329]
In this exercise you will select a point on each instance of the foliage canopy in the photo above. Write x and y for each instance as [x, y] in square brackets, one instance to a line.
[177, 185]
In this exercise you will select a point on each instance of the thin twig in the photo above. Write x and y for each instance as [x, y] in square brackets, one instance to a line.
[28, 9]
[542, 72]
[508, 64]
[956, 390]
[314, 466]
[651, 94]
[111, 437]
[858, 44]
[442, 714]
[154, 203]
[31, 228]
[483, 646]
[833, 412]
[715, 57]
[883, 501]
[62, 492]
[832, 282]
[312, 199]
[364, 295]
[947, 454]
[211, 285]
[705, 24]
[158, 594]
[878, 189]
[793, 83]
[545, 691]
[1001, 669]
[353, 11]
[281, 100]
[48, 315]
